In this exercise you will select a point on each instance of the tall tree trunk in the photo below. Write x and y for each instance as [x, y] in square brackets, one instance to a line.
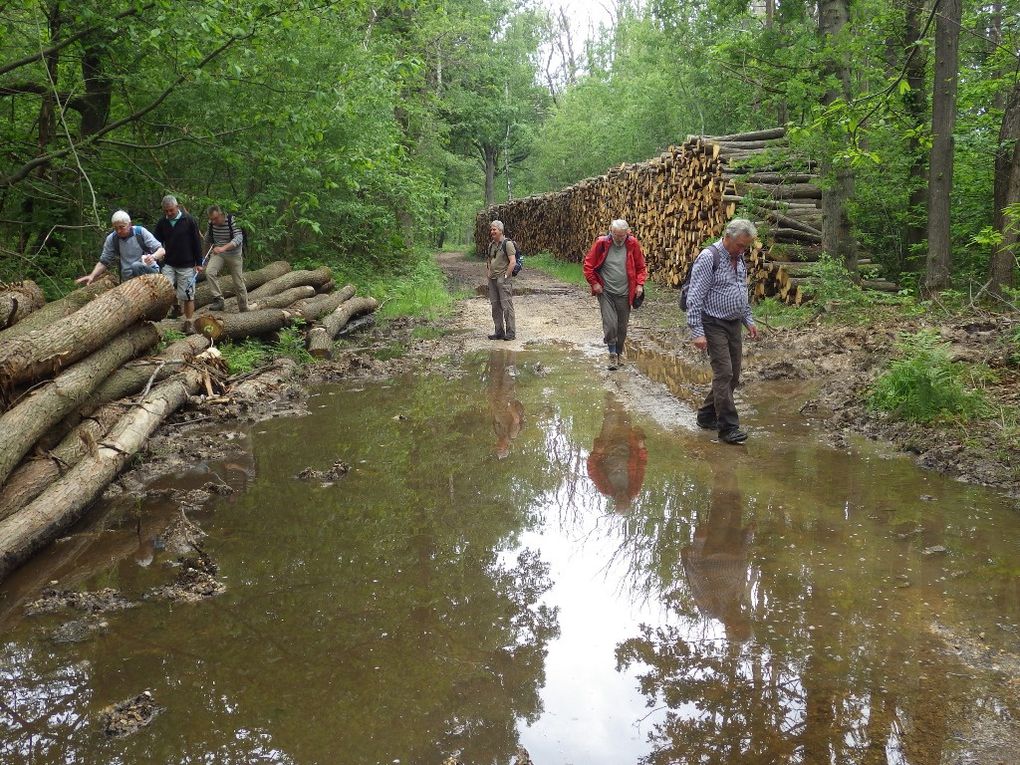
[1003, 266]
[943, 121]
[916, 103]
[95, 105]
[489, 155]
[837, 235]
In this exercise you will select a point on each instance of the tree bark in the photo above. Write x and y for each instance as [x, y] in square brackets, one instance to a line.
[282, 300]
[32, 476]
[287, 281]
[18, 300]
[26, 422]
[489, 154]
[943, 121]
[58, 309]
[837, 234]
[252, 280]
[45, 351]
[237, 326]
[1003, 265]
[66, 501]
[132, 378]
[315, 308]
[320, 339]
[916, 103]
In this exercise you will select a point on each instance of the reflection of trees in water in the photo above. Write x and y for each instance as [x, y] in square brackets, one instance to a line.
[373, 621]
[828, 677]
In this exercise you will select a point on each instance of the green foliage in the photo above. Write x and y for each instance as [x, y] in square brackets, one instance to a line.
[244, 356]
[925, 384]
[290, 342]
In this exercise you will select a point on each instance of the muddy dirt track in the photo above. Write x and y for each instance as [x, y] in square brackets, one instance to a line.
[842, 361]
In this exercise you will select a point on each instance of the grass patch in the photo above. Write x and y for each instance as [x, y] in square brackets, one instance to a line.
[925, 385]
[560, 269]
[428, 333]
[774, 313]
[290, 342]
[417, 289]
[244, 356]
[169, 337]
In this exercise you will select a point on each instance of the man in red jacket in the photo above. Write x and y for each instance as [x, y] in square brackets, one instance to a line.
[615, 269]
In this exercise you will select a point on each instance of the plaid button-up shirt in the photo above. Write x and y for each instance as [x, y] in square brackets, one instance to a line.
[722, 294]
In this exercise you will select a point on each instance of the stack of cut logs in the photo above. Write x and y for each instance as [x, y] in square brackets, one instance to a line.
[81, 389]
[678, 202]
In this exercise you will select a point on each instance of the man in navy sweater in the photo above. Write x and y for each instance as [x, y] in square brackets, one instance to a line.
[178, 232]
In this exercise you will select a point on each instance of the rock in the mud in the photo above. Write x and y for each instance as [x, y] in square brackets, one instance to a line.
[336, 471]
[195, 582]
[181, 537]
[935, 550]
[129, 716]
[52, 600]
[222, 489]
[79, 630]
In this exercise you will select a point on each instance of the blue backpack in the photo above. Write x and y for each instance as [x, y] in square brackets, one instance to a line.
[519, 264]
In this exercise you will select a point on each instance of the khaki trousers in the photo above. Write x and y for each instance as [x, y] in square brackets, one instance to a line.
[235, 267]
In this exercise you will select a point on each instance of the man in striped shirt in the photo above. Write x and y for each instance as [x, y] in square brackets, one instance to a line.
[227, 240]
[717, 306]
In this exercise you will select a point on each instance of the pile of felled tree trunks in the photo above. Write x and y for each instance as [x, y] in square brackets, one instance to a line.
[85, 380]
[680, 201]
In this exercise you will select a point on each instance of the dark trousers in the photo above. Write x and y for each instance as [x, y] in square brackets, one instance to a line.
[615, 318]
[725, 349]
[501, 298]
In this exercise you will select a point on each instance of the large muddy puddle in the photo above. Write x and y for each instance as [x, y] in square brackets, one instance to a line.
[531, 553]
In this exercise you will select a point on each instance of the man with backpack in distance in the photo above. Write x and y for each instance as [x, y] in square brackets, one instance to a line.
[227, 241]
[179, 234]
[716, 307]
[133, 247]
[500, 267]
[615, 269]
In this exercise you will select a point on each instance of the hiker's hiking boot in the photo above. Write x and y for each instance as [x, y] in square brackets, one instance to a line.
[496, 336]
[707, 421]
[614, 361]
[733, 436]
[508, 338]
[175, 311]
[188, 327]
[217, 304]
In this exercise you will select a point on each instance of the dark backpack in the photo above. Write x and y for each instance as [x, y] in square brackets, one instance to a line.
[244, 231]
[138, 238]
[685, 285]
[519, 264]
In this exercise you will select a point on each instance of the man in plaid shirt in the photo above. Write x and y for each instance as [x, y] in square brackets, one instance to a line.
[716, 307]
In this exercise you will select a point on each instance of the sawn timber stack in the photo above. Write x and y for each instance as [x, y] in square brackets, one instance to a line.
[680, 201]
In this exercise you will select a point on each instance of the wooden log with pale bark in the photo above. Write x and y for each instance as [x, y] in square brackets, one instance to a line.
[314, 278]
[66, 500]
[252, 280]
[237, 326]
[130, 379]
[282, 300]
[316, 307]
[18, 300]
[47, 350]
[320, 338]
[25, 423]
[33, 475]
[58, 309]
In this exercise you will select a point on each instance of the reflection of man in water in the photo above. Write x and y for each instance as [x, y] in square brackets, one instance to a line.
[507, 411]
[717, 562]
[617, 460]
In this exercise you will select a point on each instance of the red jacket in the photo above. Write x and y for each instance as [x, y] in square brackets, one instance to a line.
[636, 272]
